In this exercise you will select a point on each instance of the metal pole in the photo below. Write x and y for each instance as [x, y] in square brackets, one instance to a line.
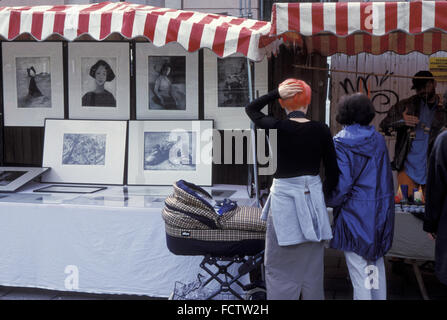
[253, 136]
[262, 10]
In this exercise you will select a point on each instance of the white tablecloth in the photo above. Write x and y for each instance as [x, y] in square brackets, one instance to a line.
[95, 243]
[410, 240]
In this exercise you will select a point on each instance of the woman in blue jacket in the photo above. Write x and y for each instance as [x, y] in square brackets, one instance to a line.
[363, 201]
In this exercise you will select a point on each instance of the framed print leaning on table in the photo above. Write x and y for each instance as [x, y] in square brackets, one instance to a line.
[167, 82]
[12, 178]
[162, 152]
[84, 151]
[226, 89]
[99, 80]
[32, 83]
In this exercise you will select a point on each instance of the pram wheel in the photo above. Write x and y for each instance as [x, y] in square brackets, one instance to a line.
[256, 294]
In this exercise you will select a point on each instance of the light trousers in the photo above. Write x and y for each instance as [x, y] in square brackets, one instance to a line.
[368, 278]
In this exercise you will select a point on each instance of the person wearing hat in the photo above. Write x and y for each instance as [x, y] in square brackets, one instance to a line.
[297, 220]
[417, 120]
[100, 97]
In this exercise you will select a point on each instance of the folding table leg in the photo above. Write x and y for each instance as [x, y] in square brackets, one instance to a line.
[419, 279]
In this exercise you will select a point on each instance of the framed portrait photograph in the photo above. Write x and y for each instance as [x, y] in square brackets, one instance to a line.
[12, 178]
[226, 89]
[167, 82]
[162, 152]
[99, 81]
[84, 151]
[33, 86]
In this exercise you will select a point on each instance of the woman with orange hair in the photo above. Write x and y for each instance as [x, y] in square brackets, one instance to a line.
[297, 220]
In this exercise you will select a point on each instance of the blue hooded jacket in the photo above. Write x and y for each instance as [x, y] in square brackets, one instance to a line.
[363, 201]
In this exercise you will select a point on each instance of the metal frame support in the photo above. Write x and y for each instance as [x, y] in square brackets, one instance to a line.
[253, 135]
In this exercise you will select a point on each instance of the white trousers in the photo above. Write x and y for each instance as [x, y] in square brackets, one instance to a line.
[368, 278]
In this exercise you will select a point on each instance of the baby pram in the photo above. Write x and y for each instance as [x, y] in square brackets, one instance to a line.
[224, 233]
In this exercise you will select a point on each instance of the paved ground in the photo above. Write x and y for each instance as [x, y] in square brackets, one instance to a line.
[402, 285]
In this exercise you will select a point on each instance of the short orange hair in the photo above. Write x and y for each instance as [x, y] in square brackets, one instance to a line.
[299, 100]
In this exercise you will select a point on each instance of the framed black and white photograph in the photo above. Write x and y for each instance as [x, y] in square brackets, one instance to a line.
[226, 89]
[167, 82]
[99, 81]
[12, 178]
[232, 82]
[32, 82]
[162, 152]
[84, 151]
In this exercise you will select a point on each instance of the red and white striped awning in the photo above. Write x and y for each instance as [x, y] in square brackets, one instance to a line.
[223, 35]
[355, 27]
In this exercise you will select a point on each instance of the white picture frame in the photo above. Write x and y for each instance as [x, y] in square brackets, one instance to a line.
[84, 151]
[183, 81]
[229, 117]
[33, 83]
[162, 152]
[12, 178]
[113, 103]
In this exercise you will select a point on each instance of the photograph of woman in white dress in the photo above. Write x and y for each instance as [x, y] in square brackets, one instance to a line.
[167, 83]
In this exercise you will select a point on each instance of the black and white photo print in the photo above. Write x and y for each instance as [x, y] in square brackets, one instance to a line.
[232, 79]
[167, 82]
[84, 149]
[33, 82]
[6, 177]
[98, 82]
[175, 150]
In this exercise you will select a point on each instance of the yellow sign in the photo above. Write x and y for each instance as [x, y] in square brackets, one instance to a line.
[438, 66]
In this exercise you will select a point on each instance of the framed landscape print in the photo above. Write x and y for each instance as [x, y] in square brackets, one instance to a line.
[162, 152]
[167, 82]
[84, 151]
[12, 178]
[226, 89]
[99, 81]
[33, 86]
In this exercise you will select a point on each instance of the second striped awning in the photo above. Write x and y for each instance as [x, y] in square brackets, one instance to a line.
[355, 27]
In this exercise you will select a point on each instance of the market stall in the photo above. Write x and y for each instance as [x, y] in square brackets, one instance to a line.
[354, 28]
[111, 241]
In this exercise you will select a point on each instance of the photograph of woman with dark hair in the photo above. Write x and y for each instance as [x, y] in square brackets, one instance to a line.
[163, 88]
[167, 82]
[100, 97]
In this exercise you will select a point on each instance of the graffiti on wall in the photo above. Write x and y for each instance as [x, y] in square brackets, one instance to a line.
[382, 98]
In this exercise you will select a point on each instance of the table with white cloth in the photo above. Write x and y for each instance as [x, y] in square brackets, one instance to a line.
[412, 243]
[111, 241]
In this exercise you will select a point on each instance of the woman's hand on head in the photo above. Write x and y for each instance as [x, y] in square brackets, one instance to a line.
[288, 90]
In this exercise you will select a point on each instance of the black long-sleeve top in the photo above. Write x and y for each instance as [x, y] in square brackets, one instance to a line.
[301, 146]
